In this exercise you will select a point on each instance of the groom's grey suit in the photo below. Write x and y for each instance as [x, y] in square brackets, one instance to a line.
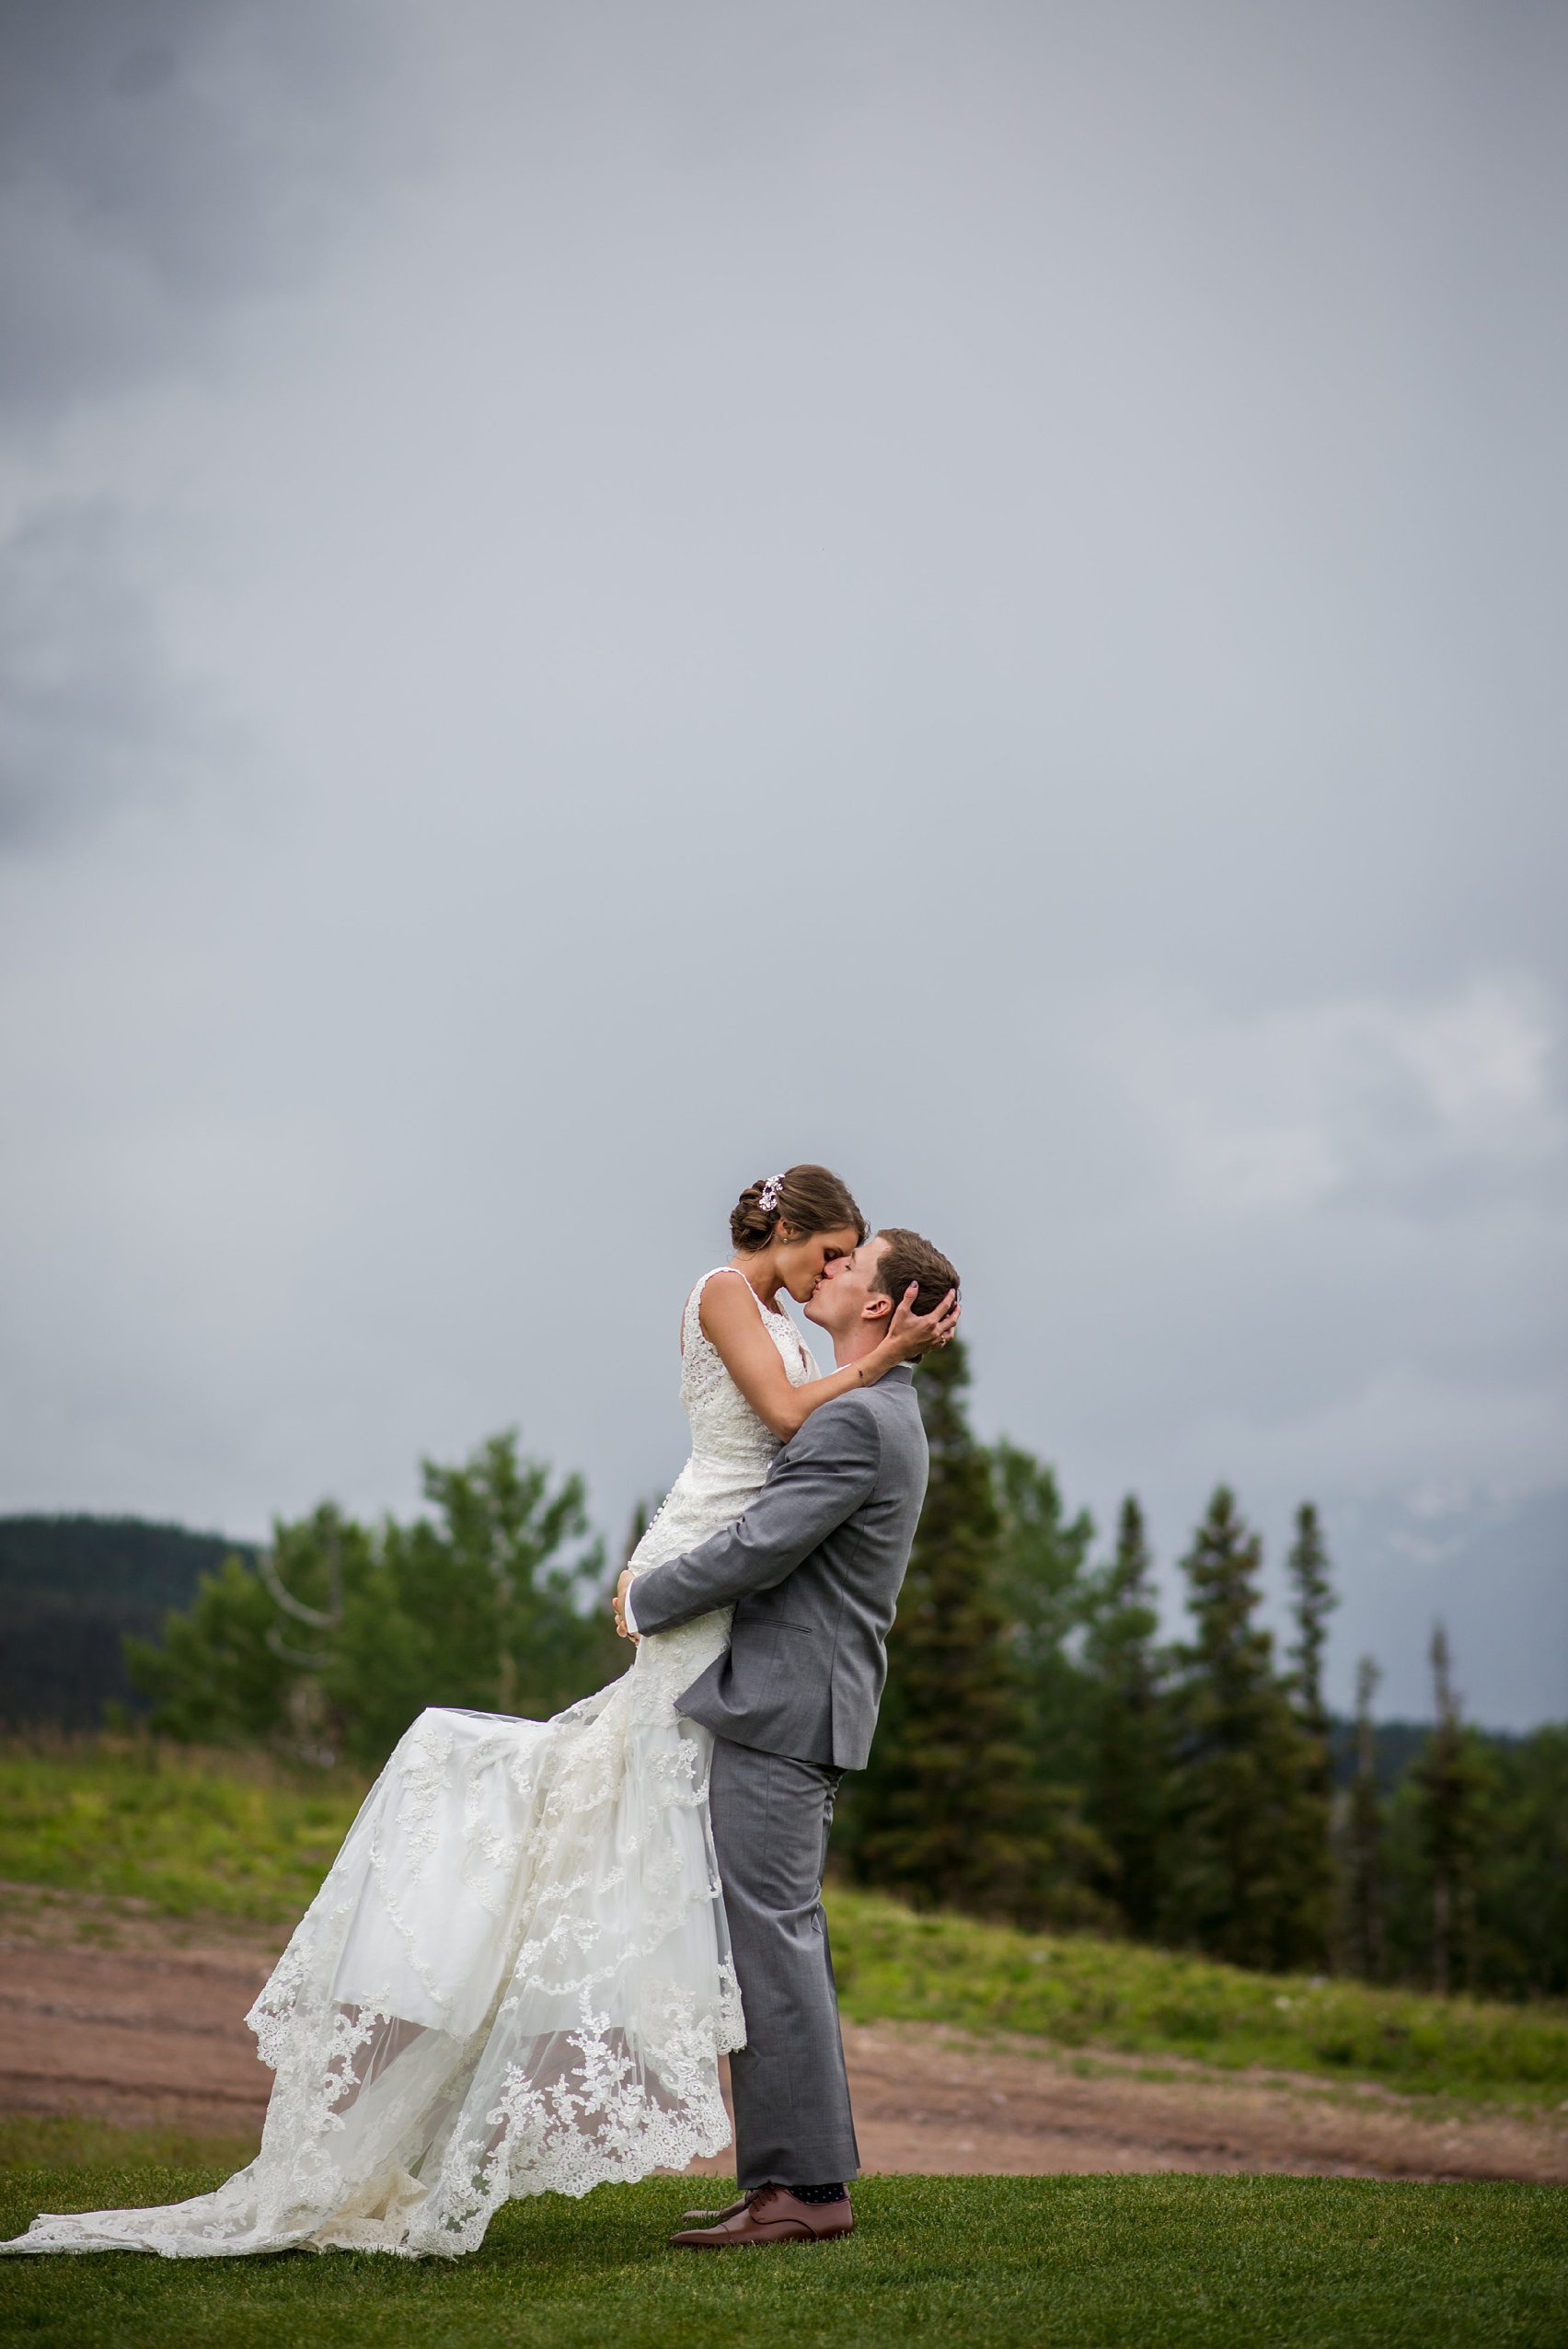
[813, 1569]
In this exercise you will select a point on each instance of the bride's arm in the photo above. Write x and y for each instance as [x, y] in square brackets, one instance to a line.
[729, 1317]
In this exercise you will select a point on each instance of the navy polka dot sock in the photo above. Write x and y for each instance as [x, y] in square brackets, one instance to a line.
[817, 2194]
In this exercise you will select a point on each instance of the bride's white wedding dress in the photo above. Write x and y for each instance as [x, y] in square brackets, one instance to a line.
[516, 1977]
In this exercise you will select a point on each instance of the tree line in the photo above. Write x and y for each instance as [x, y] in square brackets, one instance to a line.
[1044, 1757]
[327, 1644]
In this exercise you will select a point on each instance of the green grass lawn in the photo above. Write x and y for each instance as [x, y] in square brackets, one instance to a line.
[210, 1835]
[1151, 2262]
[1040, 2262]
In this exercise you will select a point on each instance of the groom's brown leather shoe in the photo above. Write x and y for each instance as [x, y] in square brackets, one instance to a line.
[771, 2215]
[711, 2217]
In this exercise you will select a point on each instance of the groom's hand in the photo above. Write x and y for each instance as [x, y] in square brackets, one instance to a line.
[617, 1607]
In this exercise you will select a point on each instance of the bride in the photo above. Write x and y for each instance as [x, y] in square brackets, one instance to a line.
[516, 1976]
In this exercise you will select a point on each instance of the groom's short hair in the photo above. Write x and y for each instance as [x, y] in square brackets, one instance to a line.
[906, 1258]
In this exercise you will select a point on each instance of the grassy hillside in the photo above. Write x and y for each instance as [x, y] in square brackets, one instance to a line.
[197, 1834]
[189, 1832]
[1079, 1991]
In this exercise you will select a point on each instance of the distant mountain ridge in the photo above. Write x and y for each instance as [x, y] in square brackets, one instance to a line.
[1494, 1568]
[70, 1590]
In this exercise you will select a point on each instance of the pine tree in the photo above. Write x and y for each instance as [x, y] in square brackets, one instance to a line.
[1313, 1600]
[1522, 1869]
[1449, 1784]
[1042, 1556]
[1127, 1767]
[1237, 1783]
[1363, 1869]
[943, 1812]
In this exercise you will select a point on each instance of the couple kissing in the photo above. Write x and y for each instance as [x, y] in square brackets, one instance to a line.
[538, 1937]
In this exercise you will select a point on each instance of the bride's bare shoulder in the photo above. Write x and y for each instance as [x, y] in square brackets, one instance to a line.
[726, 1301]
[696, 1296]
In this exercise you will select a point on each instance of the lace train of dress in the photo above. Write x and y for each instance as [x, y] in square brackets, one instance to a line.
[516, 1978]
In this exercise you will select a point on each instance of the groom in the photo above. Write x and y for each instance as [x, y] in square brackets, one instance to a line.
[813, 1570]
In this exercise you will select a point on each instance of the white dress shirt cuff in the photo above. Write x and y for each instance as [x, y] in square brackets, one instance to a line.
[626, 1615]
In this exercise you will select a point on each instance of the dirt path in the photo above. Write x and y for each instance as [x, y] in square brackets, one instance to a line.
[140, 2021]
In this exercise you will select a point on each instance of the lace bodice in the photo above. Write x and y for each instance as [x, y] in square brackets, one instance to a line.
[723, 1425]
[732, 1451]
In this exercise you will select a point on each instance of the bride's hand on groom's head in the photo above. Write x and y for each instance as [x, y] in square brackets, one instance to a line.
[916, 1334]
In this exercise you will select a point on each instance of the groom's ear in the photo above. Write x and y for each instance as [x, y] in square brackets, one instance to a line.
[878, 1306]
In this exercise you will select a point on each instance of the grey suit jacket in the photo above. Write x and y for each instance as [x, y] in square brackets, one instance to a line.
[814, 1568]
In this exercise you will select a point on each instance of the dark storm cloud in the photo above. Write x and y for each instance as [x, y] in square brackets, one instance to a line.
[965, 589]
[164, 160]
[93, 715]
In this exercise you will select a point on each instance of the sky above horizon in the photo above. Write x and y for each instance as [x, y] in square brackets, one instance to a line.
[595, 602]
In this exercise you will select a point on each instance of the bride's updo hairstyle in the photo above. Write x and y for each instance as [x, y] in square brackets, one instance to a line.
[808, 1198]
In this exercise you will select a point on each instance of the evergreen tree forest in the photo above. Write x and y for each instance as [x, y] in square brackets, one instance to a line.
[1044, 1757]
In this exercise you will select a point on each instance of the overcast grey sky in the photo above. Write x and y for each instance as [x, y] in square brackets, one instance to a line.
[597, 600]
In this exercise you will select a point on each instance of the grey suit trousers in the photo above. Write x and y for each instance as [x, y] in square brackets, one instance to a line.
[771, 1818]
